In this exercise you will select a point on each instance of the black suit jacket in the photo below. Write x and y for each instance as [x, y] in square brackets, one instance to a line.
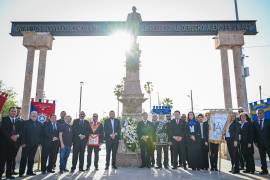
[205, 131]
[7, 131]
[32, 133]
[146, 130]
[49, 133]
[177, 130]
[234, 131]
[78, 128]
[108, 129]
[261, 136]
[246, 133]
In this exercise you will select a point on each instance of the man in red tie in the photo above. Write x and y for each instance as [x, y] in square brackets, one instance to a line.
[177, 136]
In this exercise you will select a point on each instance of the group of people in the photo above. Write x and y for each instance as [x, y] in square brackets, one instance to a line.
[187, 138]
[190, 146]
[53, 137]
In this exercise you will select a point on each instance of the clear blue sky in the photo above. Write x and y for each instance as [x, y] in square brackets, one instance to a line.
[174, 64]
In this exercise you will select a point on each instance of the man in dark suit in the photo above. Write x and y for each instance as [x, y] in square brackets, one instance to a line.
[204, 142]
[31, 139]
[81, 132]
[50, 145]
[10, 134]
[177, 134]
[62, 118]
[262, 134]
[146, 135]
[112, 130]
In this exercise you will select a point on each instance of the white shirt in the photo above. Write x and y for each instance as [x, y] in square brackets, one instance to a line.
[112, 122]
[201, 129]
[261, 127]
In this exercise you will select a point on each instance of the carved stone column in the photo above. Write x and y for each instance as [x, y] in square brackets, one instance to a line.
[226, 78]
[28, 82]
[33, 41]
[239, 81]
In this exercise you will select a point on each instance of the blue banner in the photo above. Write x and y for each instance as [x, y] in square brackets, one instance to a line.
[262, 104]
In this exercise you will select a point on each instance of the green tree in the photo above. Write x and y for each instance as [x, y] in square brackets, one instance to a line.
[148, 87]
[11, 101]
[118, 92]
[167, 102]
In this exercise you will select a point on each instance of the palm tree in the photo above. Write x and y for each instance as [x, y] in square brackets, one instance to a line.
[148, 87]
[167, 102]
[118, 92]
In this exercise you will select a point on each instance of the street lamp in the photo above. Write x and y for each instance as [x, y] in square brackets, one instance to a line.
[80, 105]
[244, 69]
[191, 100]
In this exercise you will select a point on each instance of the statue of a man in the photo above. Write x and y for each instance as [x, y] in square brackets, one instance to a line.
[133, 21]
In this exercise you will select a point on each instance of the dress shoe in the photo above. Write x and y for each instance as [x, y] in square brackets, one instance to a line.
[235, 171]
[65, 170]
[174, 167]
[61, 172]
[31, 174]
[107, 167]
[21, 175]
[158, 167]
[251, 172]
[51, 171]
[263, 172]
[72, 171]
[15, 173]
[114, 167]
[166, 167]
[43, 172]
[246, 171]
[82, 170]
[96, 169]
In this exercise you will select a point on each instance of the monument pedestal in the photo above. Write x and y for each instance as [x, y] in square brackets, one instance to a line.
[126, 158]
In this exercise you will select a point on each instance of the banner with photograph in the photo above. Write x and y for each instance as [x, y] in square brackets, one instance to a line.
[217, 124]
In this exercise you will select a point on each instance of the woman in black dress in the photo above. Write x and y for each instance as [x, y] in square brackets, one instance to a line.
[193, 142]
[232, 131]
[246, 143]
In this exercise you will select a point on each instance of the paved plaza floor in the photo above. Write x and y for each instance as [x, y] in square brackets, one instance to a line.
[146, 174]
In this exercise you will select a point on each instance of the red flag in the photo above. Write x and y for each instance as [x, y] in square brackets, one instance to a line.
[3, 99]
[44, 109]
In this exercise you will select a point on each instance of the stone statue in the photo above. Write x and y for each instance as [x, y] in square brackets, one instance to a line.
[133, 22]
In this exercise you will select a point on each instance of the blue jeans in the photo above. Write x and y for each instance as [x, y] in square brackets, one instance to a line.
[64, 153]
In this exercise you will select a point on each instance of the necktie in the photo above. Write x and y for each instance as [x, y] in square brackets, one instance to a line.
[13, 121]
[54, 126]
[261, 123]
[177, 121]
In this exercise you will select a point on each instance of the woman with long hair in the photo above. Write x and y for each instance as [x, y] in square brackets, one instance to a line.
[193, 142]
[232, 132]
[246, 142]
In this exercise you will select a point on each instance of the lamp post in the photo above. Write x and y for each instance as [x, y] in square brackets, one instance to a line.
[244, 74]
[80, 105]
[191, 100]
